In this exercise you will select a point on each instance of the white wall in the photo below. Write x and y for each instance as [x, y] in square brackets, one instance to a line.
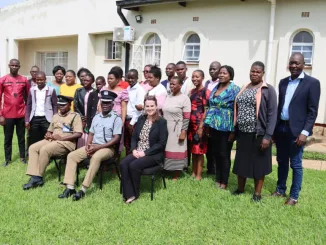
[38, 19]
[28, 48]
[236, 33]
[102, 65]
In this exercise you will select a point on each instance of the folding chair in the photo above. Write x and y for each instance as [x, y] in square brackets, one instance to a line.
[112, 162]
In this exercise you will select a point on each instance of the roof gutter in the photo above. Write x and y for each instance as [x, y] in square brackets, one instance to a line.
[127, 45]
[270, 40]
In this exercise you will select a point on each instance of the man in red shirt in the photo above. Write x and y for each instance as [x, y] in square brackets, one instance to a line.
[14, 88]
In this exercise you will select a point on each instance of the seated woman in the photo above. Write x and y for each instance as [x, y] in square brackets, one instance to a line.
[148, 145]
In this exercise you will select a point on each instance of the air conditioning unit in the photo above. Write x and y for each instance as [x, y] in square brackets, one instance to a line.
[124, 34]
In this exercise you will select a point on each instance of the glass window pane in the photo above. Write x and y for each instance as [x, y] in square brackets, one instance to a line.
[307, 55]
[303, 37]
[307, 48]
[193, 38]
[296, 48]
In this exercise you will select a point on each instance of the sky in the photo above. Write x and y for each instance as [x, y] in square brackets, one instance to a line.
[4, 3]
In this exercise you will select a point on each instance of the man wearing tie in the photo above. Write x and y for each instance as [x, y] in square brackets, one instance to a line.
[297, 112]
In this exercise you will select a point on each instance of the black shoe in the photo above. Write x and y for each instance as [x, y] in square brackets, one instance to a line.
[210, 172]
[67, 193]
[237, 192]
[6, 163]
[23, 161]
[79, 195]
[32, 183]
[256, 198]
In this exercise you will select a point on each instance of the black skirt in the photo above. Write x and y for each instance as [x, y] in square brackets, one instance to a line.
[250, 160]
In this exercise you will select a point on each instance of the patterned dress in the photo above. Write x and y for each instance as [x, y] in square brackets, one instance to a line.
[176, 111]
[143, 143]
[220, 114]
[247, 119]
[198, 100]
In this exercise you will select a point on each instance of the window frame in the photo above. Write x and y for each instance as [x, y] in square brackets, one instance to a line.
[301, 45]
[153, 51]
[186, 44]
[114, 50]
[60, 55]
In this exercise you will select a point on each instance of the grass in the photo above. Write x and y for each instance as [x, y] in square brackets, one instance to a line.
[187, 212]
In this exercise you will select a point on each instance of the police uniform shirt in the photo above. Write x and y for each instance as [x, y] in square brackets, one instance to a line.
[105, 126]
[66, 125]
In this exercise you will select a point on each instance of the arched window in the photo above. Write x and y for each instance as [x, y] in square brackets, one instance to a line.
[153, 50]
[191, 51]
[303, 42]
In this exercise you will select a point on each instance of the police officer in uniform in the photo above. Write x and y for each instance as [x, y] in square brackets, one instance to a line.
[60, 139]
[104, 134]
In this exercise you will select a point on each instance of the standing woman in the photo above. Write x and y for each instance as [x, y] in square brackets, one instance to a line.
[196, 139]
[147, 144]
[255, 119]
[80, 105]
[219, 120]
[158, 90]
[81, 73]
[176, 111]
[120, 102]
[59, 73]
[70, 87]
[93, 100]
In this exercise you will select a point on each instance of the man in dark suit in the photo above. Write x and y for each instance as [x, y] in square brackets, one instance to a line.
[297, 111]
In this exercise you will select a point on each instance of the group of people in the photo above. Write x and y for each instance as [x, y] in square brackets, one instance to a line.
[165, 123]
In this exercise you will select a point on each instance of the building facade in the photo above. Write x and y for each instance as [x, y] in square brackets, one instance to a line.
[78, 33]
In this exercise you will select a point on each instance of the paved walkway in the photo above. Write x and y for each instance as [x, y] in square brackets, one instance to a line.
[311, 164]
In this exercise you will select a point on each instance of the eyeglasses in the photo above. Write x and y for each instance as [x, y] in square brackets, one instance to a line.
[145, 71]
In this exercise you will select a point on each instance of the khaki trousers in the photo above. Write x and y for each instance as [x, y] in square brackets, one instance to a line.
[40, 154]
[78, 156]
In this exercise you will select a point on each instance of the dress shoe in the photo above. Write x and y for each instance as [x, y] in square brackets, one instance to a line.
[277, 194]
[291, 202]
[237, 192]
[67, 193]
[256, 198]
[79, 195]
[33, 183]
[23, 161]
[6, 164]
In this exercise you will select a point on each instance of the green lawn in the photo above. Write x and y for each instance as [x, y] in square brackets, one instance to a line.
[187, 212]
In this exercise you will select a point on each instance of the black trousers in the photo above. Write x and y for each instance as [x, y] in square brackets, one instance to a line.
[222, 153]
[38, 128]
[131, 168]
[9, 132]
[210, 158]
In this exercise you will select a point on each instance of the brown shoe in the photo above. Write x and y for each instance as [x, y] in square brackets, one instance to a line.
[291, 202]
[277, 194]
[223, 186]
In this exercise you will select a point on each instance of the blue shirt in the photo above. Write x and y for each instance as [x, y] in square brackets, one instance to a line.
[292, 86]
[104, 128]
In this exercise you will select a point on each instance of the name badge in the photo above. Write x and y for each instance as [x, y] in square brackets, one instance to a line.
[66, 129]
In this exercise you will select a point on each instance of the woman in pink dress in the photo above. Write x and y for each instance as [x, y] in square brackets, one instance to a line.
[120, 103]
